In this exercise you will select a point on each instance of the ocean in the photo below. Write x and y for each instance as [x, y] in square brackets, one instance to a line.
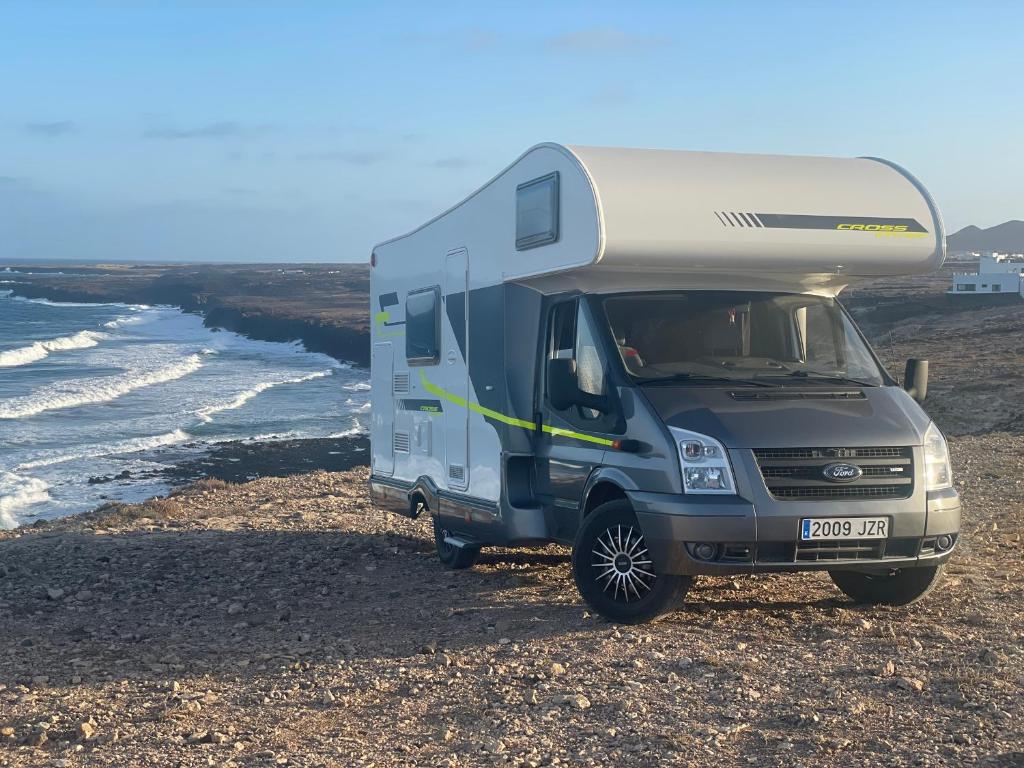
[117, 392]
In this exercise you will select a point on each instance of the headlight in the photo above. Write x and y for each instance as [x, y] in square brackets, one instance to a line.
[704, 463]
[937, 472]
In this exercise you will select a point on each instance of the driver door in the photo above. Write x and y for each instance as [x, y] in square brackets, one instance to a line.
[564, 461]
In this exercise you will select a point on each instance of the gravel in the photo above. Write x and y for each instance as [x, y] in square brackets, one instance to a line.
[288, 621]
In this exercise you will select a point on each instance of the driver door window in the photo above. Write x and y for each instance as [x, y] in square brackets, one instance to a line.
[572, 336]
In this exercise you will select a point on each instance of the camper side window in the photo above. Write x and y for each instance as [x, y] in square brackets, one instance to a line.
[537, 212]
[422, 327]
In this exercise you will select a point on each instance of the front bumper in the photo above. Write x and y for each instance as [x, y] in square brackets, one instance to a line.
[749, 542]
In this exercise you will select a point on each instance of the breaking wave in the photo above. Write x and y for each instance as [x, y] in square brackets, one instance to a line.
[40, 349]
[77, 392]
[49, 303]
[206, 414]
[17, 492]
[118, 448]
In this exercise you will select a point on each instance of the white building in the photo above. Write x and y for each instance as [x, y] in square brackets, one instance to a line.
[997, 273]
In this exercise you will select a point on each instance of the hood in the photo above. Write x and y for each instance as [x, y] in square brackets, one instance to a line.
[793, 417]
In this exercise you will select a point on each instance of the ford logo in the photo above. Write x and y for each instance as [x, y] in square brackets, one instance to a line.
[842, 473]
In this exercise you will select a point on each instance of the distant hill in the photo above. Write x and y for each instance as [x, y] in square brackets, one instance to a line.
[1007, 237]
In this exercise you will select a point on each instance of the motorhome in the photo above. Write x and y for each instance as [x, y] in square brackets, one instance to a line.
[640, 354]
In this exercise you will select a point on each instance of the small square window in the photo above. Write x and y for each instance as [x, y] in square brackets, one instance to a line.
[537, 212]
[422, 327]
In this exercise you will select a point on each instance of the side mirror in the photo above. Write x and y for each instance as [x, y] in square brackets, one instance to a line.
[915, 380]
[564, 389]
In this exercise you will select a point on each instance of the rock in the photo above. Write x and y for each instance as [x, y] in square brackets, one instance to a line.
[494, 746]
[37, 738]
[87, 730]
[234, 609]
[910, 684]
[864, 624]
[531, 697]
[888, 669]
[684, 662]
[443, 660]
[327, 697]
[556, 669]
[503, 641]
[83, 595]
[576, 700]
[54, 593]
[7, 733]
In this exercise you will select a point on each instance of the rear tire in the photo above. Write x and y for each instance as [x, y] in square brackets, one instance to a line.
[903, 587]
[453, 557]
[613, 571]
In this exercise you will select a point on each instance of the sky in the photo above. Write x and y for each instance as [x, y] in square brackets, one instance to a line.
[309, 131]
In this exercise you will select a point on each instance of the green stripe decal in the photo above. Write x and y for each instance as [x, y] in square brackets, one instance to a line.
[510, 420]
[380, 320]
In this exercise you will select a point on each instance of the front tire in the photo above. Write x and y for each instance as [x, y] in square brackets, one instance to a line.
[453, 557]
[903, 587]
[613, 570]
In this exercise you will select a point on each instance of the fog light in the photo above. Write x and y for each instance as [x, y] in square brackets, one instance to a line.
[705, 551]
[944, 542]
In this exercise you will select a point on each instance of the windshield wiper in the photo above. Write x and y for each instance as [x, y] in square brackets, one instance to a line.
[805, 374]
[698, 377]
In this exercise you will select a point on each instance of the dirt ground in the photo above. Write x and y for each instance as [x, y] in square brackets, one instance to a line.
[289, 622]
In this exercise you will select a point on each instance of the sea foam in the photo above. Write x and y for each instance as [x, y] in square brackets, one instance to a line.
[18, 492]
[78, 392]
[38, 350]
[118, 448]
[206, 414]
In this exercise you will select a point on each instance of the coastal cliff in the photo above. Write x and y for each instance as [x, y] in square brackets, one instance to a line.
[323, 306]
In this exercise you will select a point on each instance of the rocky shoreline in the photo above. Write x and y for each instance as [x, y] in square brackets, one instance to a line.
[239, 461]
[288, 621]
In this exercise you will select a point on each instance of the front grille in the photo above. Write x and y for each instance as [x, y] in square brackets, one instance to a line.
[796, 474]
[849, 549]
[803, 394]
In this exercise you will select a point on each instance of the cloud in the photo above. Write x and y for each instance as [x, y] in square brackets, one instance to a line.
[453, 162]
[604, 40]
[347, 157]
[51, 129]
[225, 129]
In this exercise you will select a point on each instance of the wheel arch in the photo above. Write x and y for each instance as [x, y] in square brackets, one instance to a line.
[424, 493]
[604, 484]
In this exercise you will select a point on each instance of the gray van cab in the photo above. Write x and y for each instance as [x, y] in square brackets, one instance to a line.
[640, 354]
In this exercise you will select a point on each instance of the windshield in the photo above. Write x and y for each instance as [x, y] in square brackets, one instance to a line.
[781, 337]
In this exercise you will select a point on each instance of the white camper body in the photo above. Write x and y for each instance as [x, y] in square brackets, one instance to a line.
[625, 219]
[470, 310]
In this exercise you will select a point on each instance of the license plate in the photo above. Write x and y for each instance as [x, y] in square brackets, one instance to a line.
[831, 528]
